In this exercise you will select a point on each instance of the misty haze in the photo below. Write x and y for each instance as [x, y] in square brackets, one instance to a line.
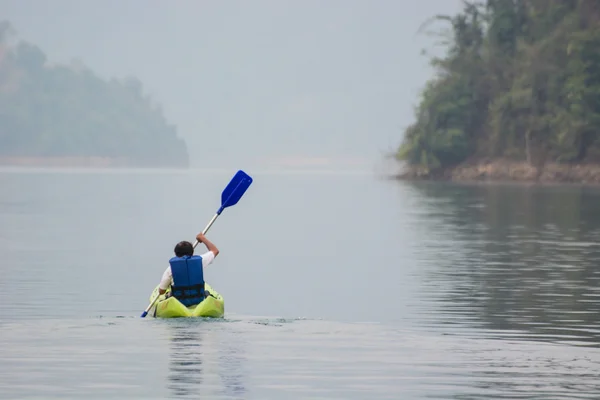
[299, 199]
[261, 83]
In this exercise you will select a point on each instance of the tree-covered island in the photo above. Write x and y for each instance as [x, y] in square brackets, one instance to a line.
[516, 95]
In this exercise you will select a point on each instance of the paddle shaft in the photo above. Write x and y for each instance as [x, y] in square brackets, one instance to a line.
[212, 221]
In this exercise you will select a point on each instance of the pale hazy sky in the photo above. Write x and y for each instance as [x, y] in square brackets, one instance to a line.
[248, 80]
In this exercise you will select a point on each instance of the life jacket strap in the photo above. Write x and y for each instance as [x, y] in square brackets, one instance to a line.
[188, 292]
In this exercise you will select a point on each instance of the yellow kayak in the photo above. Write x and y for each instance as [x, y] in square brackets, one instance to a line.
[212, 306]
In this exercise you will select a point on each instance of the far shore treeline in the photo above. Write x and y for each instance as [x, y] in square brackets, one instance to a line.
[53, 112]
[519, 81]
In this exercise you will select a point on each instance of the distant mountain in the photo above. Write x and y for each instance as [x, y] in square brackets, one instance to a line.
[55, 113]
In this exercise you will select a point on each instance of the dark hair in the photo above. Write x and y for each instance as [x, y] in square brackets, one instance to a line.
[184, 249]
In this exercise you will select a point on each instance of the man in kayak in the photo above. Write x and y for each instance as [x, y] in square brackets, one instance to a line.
[185, 273]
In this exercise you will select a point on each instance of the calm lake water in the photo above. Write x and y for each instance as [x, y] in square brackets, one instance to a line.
[336, 285]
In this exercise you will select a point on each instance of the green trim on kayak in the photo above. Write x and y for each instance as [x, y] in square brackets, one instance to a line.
[213, 306]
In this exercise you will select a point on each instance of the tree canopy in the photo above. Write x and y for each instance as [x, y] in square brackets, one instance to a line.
[520, 79]
[66, 110]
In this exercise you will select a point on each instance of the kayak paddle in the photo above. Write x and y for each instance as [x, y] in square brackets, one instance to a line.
[232, 193]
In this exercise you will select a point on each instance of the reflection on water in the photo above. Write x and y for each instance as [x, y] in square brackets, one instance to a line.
[201, 360]
[185, 360]
[231, 368]
[249, 359]
[514, 261]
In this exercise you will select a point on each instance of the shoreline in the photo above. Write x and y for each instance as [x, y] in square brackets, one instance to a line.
[76, 162]
[507, 171]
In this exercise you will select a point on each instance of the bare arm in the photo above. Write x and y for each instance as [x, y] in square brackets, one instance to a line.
[165, 281]
[209, 245]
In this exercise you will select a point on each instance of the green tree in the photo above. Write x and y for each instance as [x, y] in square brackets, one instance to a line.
[520, 79]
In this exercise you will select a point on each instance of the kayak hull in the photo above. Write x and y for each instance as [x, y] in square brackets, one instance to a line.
[211, 307]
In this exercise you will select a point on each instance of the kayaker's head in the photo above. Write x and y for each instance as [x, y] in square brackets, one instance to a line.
[184, 249]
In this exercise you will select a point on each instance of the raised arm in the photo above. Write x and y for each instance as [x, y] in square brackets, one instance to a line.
[209, 245]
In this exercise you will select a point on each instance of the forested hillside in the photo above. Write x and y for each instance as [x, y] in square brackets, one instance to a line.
[50, 111]
[520, 80]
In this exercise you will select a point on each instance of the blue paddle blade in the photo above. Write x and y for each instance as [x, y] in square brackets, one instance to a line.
[235, 190]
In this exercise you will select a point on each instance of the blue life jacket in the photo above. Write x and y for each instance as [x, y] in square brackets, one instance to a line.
[188, 279]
